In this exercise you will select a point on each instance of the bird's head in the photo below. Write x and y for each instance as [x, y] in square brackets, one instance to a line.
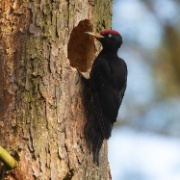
[109, 39]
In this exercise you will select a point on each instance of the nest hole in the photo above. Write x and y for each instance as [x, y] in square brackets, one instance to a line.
[81, 47]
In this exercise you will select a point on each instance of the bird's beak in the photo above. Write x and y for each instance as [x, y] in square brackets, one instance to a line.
[94, 34]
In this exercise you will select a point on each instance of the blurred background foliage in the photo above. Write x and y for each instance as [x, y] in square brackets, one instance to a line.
[151, 34]
[145, 142]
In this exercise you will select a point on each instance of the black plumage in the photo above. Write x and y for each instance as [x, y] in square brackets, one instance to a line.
[107, 83]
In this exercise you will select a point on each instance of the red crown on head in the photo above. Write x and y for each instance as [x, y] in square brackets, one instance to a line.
[104, 32]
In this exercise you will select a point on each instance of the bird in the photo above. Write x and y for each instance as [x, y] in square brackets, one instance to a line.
[107, 82]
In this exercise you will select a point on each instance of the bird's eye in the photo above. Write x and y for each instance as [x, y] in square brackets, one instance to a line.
[109, 35]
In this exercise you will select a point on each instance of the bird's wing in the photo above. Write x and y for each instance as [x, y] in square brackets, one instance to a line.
[122, 79]
[107, 92]
[96, 129]
[112, 90]
[102, 97]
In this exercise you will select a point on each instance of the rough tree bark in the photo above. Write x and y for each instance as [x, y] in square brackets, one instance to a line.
[42, 115]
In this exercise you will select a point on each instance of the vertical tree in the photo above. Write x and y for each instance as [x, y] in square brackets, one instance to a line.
[41, 105]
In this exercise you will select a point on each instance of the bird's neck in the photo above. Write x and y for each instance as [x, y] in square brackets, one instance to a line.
[109, 52]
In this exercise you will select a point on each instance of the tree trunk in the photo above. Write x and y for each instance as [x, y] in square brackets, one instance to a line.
[41, 96]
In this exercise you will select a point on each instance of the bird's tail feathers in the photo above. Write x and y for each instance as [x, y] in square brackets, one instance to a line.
[94, 137]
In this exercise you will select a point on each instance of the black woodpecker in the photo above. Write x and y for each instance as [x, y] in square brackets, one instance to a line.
[107, 83]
